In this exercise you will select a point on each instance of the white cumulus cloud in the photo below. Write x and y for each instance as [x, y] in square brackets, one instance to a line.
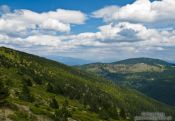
[26, 20]
[139, 11]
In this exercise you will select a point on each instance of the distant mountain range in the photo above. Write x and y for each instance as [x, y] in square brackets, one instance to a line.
[33, 88]
[153, 77]
[148, 61]
[68, 60]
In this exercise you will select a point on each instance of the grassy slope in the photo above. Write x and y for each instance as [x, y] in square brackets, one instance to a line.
[17, 65]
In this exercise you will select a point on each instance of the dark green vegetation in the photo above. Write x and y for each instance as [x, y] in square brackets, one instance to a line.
[153, 77]
[4, 93]
[40, 89]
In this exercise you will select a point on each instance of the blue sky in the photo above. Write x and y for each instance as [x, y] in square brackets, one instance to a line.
[96, 30]
[86, 6]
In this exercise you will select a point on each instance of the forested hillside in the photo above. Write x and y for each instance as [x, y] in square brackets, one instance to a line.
[33, 88]
[153, 77]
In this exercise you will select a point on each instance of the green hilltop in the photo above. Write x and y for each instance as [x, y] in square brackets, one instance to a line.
[33, 88]
[153, 77]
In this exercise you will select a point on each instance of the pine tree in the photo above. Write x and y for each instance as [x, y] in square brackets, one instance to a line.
[28, 82]
[4, 93]
[54, 103]
[25, 94]
[122, 113]
[49, 87]
[63, 113]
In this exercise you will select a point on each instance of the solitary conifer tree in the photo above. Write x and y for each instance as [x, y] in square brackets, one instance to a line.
[54, 103]
[4, 93]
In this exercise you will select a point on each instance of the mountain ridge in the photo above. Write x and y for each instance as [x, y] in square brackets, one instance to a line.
[150, 76]
[68, 60]
[33, 81]
[146, 60]
[139, 60]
